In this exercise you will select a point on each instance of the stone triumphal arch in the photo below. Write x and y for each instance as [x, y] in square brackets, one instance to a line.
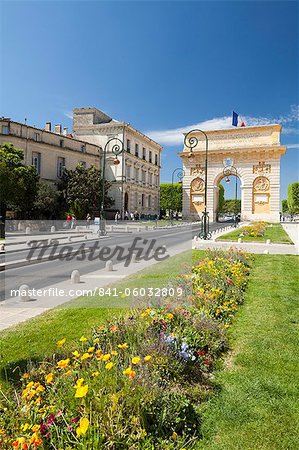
[254, 151]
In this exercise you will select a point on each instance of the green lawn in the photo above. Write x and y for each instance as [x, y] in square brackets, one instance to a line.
[37, 337]
[275, 232]
[257, 403]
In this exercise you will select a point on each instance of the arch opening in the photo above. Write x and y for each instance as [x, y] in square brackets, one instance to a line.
[228, 198]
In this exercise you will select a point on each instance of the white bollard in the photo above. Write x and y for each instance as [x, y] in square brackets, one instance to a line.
[126, 228]
[138, 229]
[69, 239]
[28, 243]
[109, 266]
[75, 276]
[85, 236]
[53, 229]
[268, 241]
[111, 228]
[27, 231]
[19, 226]
[2, 247]
[50, 242]
[23, 293]
[134, 255]
[239, 240]
[266, 252]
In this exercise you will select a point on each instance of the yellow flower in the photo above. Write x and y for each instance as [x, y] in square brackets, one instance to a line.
[109, 365]
[125, 345]
[79, 383]
[26, 375]
[35, 428]
[49, 378]
[90, 350]
[147, 358]
[170, 316]
[63, 363]
[83, 427]
[85, 356]
[114, 353]
[81, 391]
[98, 353]
[106, 357]
[95, 374]
[135, 360]
[61, 342]
[76, 354]
[131, 373]
[25, 427]
[83, 339]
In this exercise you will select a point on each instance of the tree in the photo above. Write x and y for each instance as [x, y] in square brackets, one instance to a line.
[46, 201]
[293, 198]
[221, 197]
[171, 197]
[82, 191]
[284, 206]
[231, 206]
[18, 182]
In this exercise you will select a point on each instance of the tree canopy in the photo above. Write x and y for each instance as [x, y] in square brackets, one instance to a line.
[293, 198]
[18, 182]
[171, 197]
[82, 192]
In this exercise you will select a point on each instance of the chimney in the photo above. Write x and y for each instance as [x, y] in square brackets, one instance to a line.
[65, 131]
[48, 126]
[58, 128]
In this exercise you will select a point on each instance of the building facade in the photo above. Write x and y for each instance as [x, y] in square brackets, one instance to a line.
[255, 152]
[136, 179]
[49, 152]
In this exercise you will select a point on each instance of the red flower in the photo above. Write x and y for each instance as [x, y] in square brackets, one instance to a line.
[201, 352]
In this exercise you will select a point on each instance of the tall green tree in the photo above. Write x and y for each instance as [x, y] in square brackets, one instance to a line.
[221, 197]
[171, 197]
[82, 191]
[18, 182]
[293, 198]
[284, 206]
[46, 201]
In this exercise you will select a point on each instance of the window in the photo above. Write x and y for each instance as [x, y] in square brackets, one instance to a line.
[143, 176]
[128, 172]
[149, 201]
[36, 159]
[5, 129]
[156, 159]
[83, 148]
[136, 199]
[61, 143]
[36, 137]
[143, 153]
[136, 150]
[128, 145]
[150, 156]
[142, 200]
[60, 166]
[136, 174]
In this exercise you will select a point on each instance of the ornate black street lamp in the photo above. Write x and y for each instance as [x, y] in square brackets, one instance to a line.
[117, 149]
[180, 175]
[227, 171]
[191, 142]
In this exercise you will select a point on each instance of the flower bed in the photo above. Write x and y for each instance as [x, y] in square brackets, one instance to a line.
[135, 382]
[256, 229]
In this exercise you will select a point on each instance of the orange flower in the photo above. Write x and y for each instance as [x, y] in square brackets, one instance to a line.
[49, 378]
[63, 363]
[114, 328]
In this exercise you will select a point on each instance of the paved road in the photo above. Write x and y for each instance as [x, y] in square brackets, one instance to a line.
[47, 273]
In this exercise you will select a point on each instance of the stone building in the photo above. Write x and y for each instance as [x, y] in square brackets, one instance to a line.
[136, 177]
[50, 152]
[255, 152]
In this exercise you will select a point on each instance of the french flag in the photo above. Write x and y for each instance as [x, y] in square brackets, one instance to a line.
[237, 121]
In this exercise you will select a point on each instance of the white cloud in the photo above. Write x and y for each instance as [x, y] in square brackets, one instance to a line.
[293, 145]
[68, 114]
[175, 136]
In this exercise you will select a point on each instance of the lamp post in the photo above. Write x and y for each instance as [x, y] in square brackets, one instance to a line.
[117, 149]
[180, 174]
[191, 142]
[227, 171]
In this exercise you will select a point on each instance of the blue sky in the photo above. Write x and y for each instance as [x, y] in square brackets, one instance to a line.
[158, 65]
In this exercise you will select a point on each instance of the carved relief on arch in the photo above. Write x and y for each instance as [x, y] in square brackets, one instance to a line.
[197, 185]
[261, 184]
[261, 195]
[197, 190]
